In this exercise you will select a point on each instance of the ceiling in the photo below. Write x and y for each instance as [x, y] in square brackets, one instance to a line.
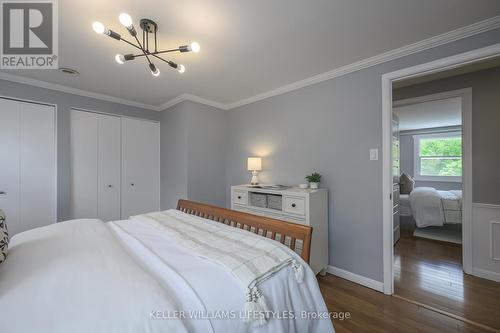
[439, 113]
[247, 47]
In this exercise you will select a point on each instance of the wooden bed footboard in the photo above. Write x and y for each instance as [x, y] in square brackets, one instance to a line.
[295, 236]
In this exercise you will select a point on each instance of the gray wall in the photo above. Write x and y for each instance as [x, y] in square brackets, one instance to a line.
[329, 127]
[407, 160]
[64, 103]
[485, 126]
[173, 156]
[193, 152]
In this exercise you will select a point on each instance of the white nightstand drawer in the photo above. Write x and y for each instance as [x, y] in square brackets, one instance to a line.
[297, 220]
[240, 197]
[294, 205]
[267, 214]
[241, 208]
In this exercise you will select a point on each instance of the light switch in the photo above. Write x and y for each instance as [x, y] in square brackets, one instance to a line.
[374, 154]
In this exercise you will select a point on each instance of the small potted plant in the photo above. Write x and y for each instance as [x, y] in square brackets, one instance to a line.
[314, 180]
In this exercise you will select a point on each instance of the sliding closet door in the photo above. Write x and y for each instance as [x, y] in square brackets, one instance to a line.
[109, 168]
[95, 165]
[28, 164]
[37, 181]
[84, 142]
[140, 167]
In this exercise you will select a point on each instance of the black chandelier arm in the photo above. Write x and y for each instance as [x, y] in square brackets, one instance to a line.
[143, 50]
[156, 43]
[154, 53]
[171, 63]
[132, 44]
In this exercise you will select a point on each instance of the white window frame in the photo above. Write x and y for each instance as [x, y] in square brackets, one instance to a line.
[416, 157]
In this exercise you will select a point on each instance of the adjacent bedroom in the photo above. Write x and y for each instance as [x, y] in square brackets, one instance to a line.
[438, 120]
[242, 166]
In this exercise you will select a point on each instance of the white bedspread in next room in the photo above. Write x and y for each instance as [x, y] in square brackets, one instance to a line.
[431, 207]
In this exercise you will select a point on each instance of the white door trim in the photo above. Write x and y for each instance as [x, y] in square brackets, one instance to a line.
[411, 72]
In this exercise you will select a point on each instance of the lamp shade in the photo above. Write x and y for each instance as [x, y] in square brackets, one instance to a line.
[254, 164]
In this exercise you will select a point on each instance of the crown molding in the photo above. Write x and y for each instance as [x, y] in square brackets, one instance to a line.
[192, 98]
[74, 91]
[448, 37]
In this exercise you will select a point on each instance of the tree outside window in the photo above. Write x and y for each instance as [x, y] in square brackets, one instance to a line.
[438, 156]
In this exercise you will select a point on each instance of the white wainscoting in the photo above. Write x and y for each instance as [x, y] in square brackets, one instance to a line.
[359, 279]
[486, 241]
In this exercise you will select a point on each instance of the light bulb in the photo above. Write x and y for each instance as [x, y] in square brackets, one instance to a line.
[154, 70]
[181, 69]
[98, 27]
[195, 47]
[125, 20]
[120, 58]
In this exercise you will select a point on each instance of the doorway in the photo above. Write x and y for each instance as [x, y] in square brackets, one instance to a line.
[430, 258]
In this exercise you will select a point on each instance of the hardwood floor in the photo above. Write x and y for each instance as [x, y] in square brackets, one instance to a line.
[430, 272]
[372, 311]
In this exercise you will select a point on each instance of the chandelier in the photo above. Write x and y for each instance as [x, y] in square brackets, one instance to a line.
[149, 31]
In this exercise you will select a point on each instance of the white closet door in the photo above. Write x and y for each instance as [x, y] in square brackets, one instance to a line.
[28, 165]
[140, 167]
[9, 161]
[109, 168]
[37, 181]
[84, 141]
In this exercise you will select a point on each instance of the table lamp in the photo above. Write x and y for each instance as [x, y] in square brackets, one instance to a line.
[254, 164]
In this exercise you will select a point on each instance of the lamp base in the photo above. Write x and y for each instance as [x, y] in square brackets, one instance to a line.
[255, 178]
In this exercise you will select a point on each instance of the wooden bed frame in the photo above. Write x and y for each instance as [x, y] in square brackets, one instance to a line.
[287, 232]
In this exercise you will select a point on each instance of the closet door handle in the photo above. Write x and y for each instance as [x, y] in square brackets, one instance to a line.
[110, 186]
[132, 184]
[3, 193]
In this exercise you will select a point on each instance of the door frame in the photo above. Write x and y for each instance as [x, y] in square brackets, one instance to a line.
[412, 72]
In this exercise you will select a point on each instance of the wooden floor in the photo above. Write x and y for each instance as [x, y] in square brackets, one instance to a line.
[430, 272]
[372, 311]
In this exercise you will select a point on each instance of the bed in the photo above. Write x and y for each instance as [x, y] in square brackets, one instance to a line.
[143, 275]
[431, 207]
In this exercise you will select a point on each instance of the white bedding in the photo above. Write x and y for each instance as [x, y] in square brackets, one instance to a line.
[76, 277]
[431, 207]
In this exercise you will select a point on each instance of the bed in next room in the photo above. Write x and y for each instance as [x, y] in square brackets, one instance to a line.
[431, 207]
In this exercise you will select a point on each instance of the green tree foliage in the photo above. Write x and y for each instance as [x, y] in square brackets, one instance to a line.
[441, 156]
[441, 147]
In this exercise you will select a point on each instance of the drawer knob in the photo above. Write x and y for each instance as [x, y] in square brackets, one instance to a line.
[239, 196]
[294, 205]
[110, 186]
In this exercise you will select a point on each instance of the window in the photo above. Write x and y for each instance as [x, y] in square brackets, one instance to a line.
[438, 156]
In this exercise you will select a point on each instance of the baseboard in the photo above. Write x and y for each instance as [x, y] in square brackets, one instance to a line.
[482, 273]
[359, 279]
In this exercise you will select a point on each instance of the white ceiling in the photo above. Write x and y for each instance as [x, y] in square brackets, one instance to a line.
[439, 113]
[247, 47]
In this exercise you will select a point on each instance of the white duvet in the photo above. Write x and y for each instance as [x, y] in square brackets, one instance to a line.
[88, 276]
[431, 207]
